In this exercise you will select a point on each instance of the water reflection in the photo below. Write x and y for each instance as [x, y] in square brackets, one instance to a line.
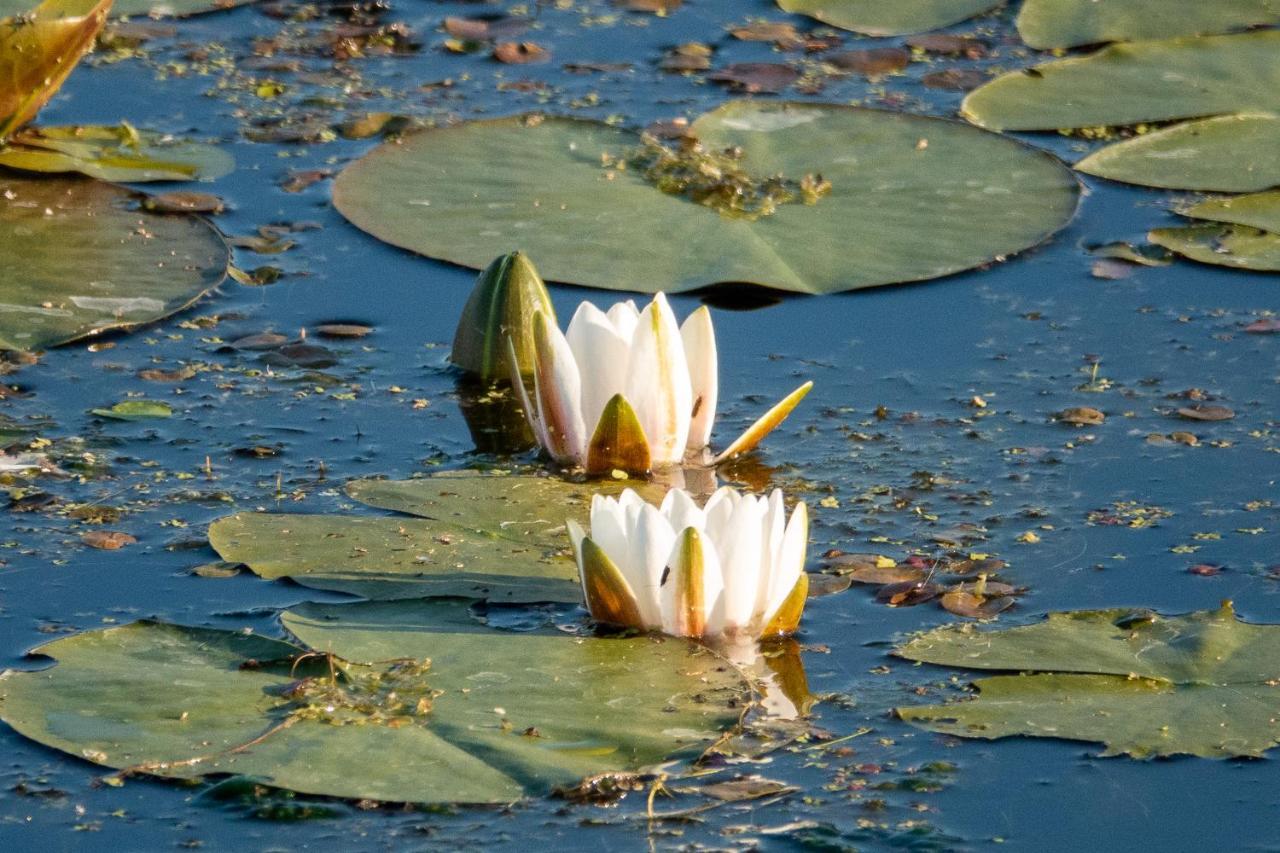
[494, 418]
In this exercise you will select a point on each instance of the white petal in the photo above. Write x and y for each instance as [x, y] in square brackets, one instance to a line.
[602, 355]
[657, 384]
[558, 387]
[576, 535]
[795, 543]
[656, 539]
[624, 316]
[522, 394]
[742, 563]
[681, 511]
[699, 340]
[719, 509]
[609, 531]
[712, 587]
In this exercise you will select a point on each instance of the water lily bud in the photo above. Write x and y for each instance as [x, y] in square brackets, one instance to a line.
[507, 295]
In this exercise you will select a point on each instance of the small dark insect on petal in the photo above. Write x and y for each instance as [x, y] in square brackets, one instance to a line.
[666, 573]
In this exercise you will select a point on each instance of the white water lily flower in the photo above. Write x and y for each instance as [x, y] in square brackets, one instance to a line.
[630, 389]
[733, 568]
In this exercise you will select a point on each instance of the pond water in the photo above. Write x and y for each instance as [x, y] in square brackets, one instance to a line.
[1023, 336]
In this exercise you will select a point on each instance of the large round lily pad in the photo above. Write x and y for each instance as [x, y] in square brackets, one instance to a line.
[114, 154]
[888, 17]
[1231, 153]
[39, 49]
[494, 717]
[911, 198]
[1046, 24]
[143, 8]
[89, 264]
[1143, 684]
[501, 538]
[1142, 81]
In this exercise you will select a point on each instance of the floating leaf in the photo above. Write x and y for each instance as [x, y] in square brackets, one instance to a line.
[494, 537]
[171, 8]
[504, 714]
[911, 198]
[1142, 684]
[1045, 24]
[89, 265]
[895, 18]
[39, 49]
[1259, 210]
[1231, 153]
[114, 154]
[1130, 83]
[1236, 246]
[135, 410]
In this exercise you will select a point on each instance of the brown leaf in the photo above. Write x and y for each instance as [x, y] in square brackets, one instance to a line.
[1205, 570]
[778, 31]
[657, 7]
[1206, 413]
[1081, 416]
[756, 77]
[691, 56]
[342, 330]
[907, 594]
[824, 584]
[970, 48]
[156, 375]
[872, 62]
[1111, 269]
[1265, 326]
[973, 606]
[520, 53]
[260, 341]
[954, 79]
[107, 540]
[485, 29]
[184, 201]
[873, 574]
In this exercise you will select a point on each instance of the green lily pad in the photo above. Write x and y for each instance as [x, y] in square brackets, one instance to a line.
[1259, 210]
[89, 264]
[1142, 684]
[183, 702]
[114, 154]
[39, 50]
[1045, 24]
[1231, 153]
[893, 18]
[1223, 245]
[501, 538]
[911, 198]
[135, 410]
[1131, 83]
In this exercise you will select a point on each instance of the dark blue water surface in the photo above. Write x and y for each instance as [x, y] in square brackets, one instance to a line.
[1021, 335]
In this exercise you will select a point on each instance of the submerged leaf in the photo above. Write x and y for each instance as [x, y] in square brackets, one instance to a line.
[89, 264]
[911, 198]
[1144, 685]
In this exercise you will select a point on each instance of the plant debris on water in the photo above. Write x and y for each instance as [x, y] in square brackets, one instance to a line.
[716, 178]
[394, 696]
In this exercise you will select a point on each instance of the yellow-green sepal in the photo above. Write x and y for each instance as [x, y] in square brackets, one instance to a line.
[609, 596]
[765, 425]
[786, 619]
[619, 442]
[506, 297]
[690, 586]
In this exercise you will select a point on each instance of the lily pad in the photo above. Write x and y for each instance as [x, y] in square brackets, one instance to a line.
[1124, 84]
[38, 51]
[135, 410]
[910, 198]
[1224, 245]
[114, 154]
[1259, 210]
[1045, 24]
[1231, 153]
[89, 264]
[1142, 684]
[500, 538]
[893, 18]
[499, 715]
[144, 8]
